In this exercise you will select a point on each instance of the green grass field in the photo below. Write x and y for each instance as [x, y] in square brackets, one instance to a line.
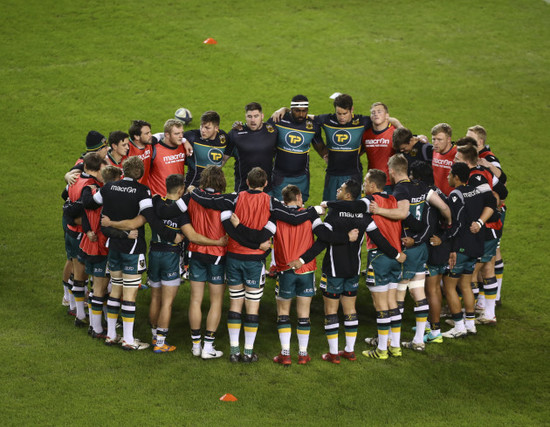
[71, 66]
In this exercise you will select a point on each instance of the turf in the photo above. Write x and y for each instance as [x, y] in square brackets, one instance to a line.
[71, 66]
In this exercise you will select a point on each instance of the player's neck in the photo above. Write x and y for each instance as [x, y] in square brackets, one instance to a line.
[381, 126]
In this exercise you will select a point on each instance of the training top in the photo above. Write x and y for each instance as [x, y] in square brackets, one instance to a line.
[252, 149]
[165, 161]
[390, 229]
[145, 154]
[206, 152]
[422, 151]
[379, 148]
[441, 165]
[344, 143]
[293, 145]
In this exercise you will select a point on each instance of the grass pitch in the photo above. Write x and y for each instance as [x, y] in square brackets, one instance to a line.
[71, 66]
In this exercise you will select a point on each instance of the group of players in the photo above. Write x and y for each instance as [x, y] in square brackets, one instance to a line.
[431, 216]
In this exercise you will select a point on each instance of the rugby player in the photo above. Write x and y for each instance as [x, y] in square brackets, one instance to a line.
[444, 152]
[413, 147]
[120, 144]
[141, 145]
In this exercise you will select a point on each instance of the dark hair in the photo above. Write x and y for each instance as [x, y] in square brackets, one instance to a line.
[116, 137]
[422, 171]
[461, 171]
[93, 161]
[469, 153]
[210, 117]
[343, 101]
[353, 188]
[377, 177]
[256, 177]
[467, 140]
[401, 136]
[253, 106]
[135, 127]
[174, 182]
[290, 193]
[213, 177]
[299, 98]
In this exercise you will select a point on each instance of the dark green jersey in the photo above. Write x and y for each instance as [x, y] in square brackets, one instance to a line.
[205, 152]
[343, 143]
[293, 144]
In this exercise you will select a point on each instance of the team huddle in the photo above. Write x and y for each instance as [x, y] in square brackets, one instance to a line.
[430, 216]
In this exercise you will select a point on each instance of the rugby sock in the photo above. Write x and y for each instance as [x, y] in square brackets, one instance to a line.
[401, 306]
[154, 332]
[66, 291]
[113, 308]
[383, 324]
[350, 325]
[421, 314]
[234, 329]
[72, 302]
[90, 297]
[490, 286]
[96, 312]
[195, 338]
[459, 321]
[331, 332]
[161, 337]
[499, 272]
[128, 314]
[470, 320]
[481, 297]
[283, 327]
[395, 335]
[251, 322]
[78, 292]
[209, 337]
[436, 328]
[475, 290]
[303, 330]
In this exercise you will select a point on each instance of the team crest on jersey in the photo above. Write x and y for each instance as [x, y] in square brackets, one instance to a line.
[294, 139]
[341, 137]
[269, 128]
[215, 156]
[414, 152]
[355, 122]
[309, 124]
[222, 139]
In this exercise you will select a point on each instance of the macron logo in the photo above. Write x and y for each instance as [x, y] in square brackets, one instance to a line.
[123, 189]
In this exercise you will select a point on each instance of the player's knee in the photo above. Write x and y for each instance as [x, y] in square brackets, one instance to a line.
[349, 293]
[331, 295]
[254, 294]
[235, 294]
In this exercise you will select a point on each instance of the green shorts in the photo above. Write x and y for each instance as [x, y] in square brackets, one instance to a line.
[338, 285]
[489, 250]
[464, 265]
[164, 269]
[127, 263]
[280, 182]
[290, 285]
[415, 262]
[72, 244]
[386, 270]
[334, 182]
[435, 270]
[203, 272]
[96, 266]
[248, 273]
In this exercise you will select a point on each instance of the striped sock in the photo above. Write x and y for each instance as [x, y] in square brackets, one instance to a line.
[96, 312]
[283, 328]
[113, 308]
[499, 273]
[421, 314]
[161, 336]
[251, 322]
[491, 287]
[350, 326]
[209, 337]
[128, 314]
[78, 292]
[234, 329]
[395, 335]
[303, 329]
[195, 338]
[331, 331]
[459, 321]
[475, 290]
[72, 302]
[470, 320]
[383, 323]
